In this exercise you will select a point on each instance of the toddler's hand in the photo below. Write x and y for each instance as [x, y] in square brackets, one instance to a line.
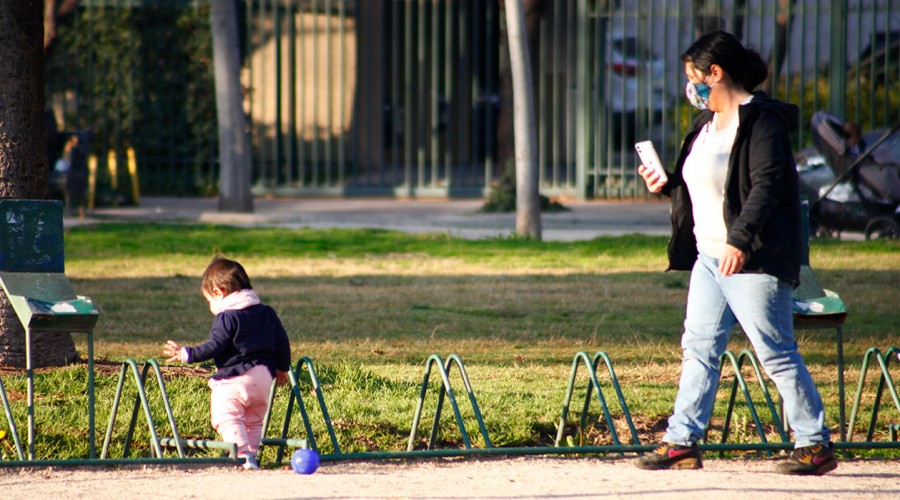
[281, 378]
[172, 351]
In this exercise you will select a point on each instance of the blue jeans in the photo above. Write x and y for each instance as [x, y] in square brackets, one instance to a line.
[762, 305]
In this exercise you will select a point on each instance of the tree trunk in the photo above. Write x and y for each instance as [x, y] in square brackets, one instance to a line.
[528, 203]
[235, 167]
[534, 9]
[23, 156]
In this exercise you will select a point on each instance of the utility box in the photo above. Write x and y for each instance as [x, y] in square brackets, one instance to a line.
[815, 308]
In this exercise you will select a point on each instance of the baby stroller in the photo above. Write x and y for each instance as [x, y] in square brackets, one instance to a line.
[851, 189]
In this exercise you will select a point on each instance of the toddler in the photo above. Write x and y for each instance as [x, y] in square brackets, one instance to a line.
[250, 349]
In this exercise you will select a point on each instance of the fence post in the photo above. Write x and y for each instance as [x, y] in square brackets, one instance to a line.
[582, 110]
[837, 70]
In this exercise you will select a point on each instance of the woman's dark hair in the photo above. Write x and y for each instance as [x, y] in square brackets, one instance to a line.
[226, 275]
[745, 66]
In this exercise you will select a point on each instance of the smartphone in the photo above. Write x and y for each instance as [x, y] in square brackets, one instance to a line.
[650, 159]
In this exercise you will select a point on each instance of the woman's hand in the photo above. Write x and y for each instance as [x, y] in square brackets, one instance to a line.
[732, 261]
[281, 378]
[652, 178]
[172, 350]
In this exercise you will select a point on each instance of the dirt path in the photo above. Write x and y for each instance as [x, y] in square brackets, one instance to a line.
[523, 478]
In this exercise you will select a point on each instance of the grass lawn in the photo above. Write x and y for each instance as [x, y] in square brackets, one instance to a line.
[369, 307]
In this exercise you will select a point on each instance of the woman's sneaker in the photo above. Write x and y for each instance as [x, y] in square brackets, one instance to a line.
[671, 456]
[810, 460]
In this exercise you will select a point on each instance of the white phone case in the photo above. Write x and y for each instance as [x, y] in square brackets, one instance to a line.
[650, 159]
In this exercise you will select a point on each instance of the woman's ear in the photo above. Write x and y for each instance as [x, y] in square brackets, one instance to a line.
[715, 73]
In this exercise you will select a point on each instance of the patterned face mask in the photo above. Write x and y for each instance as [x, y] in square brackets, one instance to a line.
[698, 94]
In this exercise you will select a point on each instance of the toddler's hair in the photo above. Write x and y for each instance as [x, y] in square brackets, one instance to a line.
[226, 275]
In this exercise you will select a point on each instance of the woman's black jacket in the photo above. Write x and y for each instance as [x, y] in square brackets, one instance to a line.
[762, 206]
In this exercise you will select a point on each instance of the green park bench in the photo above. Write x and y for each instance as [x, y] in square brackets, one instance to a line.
[32, 273]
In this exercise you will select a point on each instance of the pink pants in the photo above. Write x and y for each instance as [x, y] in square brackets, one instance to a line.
[238, 406]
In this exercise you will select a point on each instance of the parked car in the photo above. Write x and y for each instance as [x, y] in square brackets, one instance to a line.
[635, 83]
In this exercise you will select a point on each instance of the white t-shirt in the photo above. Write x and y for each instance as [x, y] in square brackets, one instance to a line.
[705, 170]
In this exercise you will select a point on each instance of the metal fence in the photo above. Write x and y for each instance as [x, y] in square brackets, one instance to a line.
[410, 97]
[374, 97]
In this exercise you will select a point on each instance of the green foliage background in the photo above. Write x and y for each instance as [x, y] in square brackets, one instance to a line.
[140, 77]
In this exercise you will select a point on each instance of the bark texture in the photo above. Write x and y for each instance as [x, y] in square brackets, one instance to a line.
[23, 157]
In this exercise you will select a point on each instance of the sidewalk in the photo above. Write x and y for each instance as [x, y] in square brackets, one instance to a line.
[460, 218]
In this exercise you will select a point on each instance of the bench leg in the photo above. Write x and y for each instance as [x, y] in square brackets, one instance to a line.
[842, 418]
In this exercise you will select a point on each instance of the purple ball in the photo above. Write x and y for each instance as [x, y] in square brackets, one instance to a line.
[305, 461]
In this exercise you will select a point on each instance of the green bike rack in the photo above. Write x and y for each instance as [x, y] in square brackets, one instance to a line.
[884, 380]
[142, 402]
[737, 363]
[295, 395]
[447, 390]
[17, 444]
[176, 441]
[591, 364]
